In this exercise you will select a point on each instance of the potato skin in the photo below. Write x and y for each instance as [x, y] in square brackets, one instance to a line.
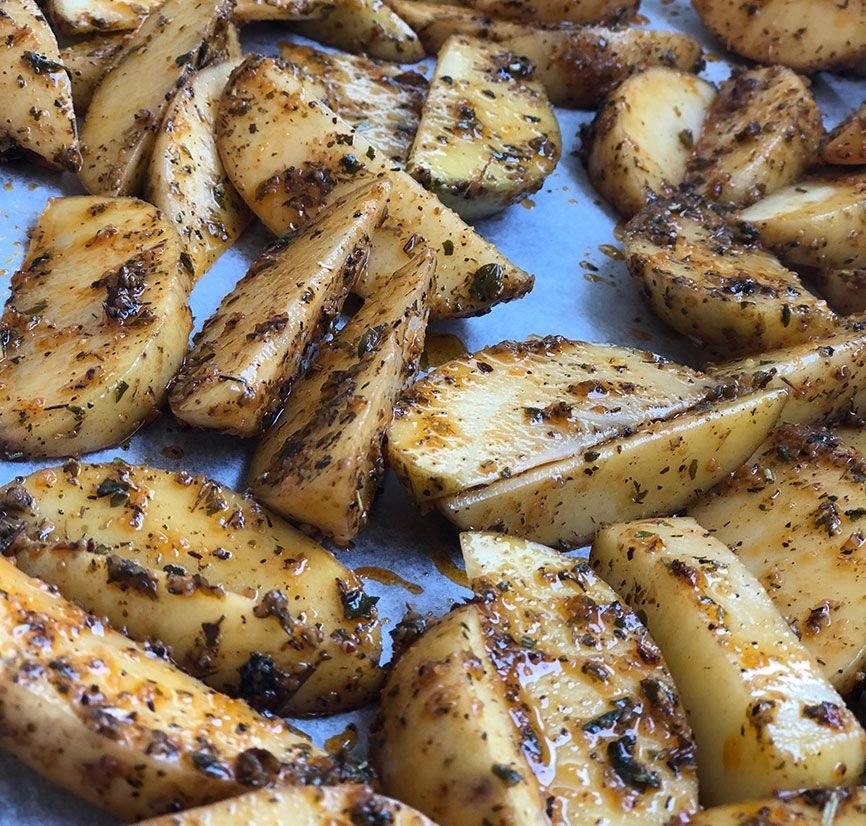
[845, 145]
[844, 290]
[580, 12]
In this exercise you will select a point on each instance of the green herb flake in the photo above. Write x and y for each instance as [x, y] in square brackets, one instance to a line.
[620, 753]
[119, 390]
[351, 164]
[509, 776]
[188, 265]
[116, 489]
[448, 247]
[687, 139]
[370, 339]
[40, 64]
[356, 604]
[486, 283]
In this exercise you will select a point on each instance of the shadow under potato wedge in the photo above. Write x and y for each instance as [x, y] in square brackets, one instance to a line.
[580, 12]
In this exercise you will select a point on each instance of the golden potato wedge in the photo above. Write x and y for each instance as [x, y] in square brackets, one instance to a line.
[88, 16]
[764, 717]
[807, 35]
[844, 290]
[488, 136]
[845, 145]
[321, 463]
[254, 11]
[658, 470]
[760, 134]
[95, 328]
[611, 743]
[639, 144]
[287, 182]
[791, 514]
[110, 721]
[240, 598]
[254, 345]
[86, 62]
[709, 278]
[381, 100]
[37, 117]
[582, 12]
[128, 104]
[519, 405]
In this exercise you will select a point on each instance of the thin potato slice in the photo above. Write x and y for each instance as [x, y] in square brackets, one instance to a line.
[287, 182]
[844, 290]
[37, 112]
[86, 61]
[846, 144]
[254, 11]
[96, 326]
[127, 107]
[321, 464]
[241, 599]
[516, 405]
[764, 717]
[658, 470]
[581, 12]
[110, 721]
[708, 277]
[488, 135]
[255, 343]
[761, 134]
[640, 141]
[88, 16]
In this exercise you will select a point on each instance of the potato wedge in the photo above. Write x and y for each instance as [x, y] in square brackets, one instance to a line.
[37, 117]
[254, 345]
[639, 144]
[764, 717]
[255, 11]
[86, 62]
[807, 35]
[321, 463]
[128, 104]
[488, 136]
[88, 16]
[658, 470]
[845, 145]
[240, 598]
[707, 276]
[381, 100]
[613, 744]
[110, 721]
[542, 400]
[760, 134]
[286, 183]
[791, 514]
[582, 12]
[844, 290]
[95, 328]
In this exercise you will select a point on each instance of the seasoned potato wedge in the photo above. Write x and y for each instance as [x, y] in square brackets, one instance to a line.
[86, 62]
[555, 11]
[641, 139]
[86, 16]
[254, 11]
[658, 470]
[128, 104]
[112, 722]
[96, 326]
[707, 276]
[381, 100]
[488, 135]
[37, 115]
[240, 598]
[791, 514]
[255, 343]
[518, 405]
[806, 35]
[287, 182]
[844, 290]
[761, 134]
[321, 463]
[764, 717]
[845, 145]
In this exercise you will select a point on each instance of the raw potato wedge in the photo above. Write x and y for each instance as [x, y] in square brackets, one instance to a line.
[365, 27]
[300, 806]
[660, 469]
[254, 345]
[581, 12]
[37, 115]
[88, 16]
[240, 598]
[641, 139]
[128, 104]
[844, 290]
[95, 328]
[381, 100]
[807, 35]
[792, 515]
[255, 11]
[321, 463]
[286, 184]
[518, 405]
[601, 722]
[845, 145]
[488, 135]
[764, 717]
[110, 721]
[708, 277]
[86, 61]
[761, 134]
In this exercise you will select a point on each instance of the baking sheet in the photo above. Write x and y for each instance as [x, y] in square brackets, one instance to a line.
[563, 234]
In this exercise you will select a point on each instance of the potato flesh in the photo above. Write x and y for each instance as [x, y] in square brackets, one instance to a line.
[655, 471]
[642, 138]
[845, 145]
[176, 527]
[256, 341]
[581, 12]
[74, 17]
[518, 405]
[591, 681]
[86, 62]
[254, 11]
[764, 717]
